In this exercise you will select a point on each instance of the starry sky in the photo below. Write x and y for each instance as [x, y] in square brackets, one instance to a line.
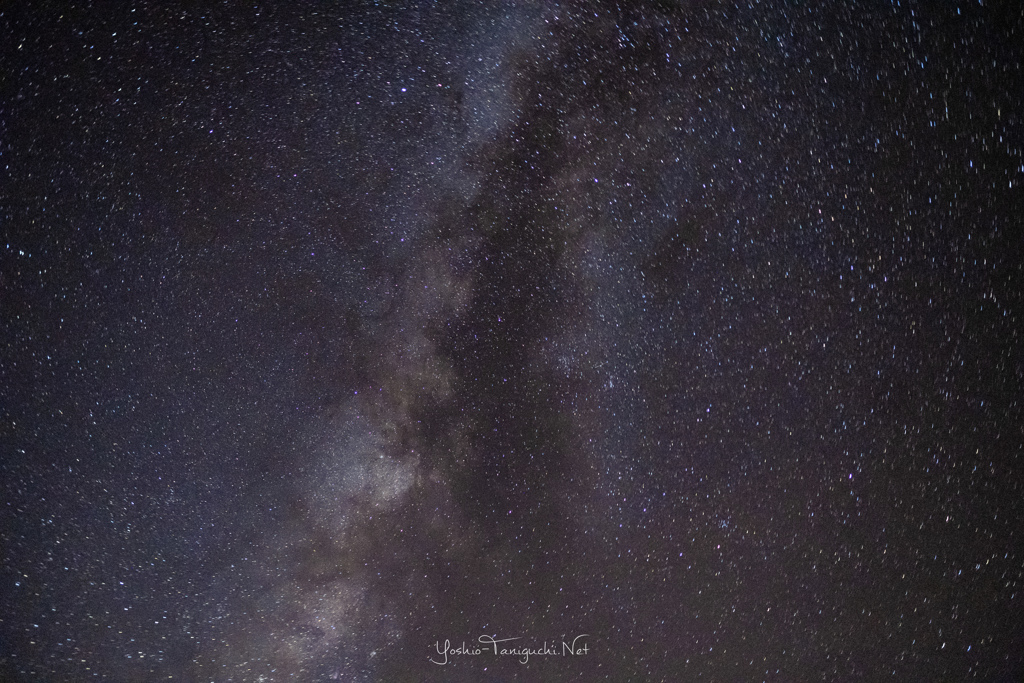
[334, 332]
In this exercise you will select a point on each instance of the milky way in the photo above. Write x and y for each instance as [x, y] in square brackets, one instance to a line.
[686, 332]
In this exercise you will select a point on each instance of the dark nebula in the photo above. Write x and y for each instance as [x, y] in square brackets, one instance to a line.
[336, 331]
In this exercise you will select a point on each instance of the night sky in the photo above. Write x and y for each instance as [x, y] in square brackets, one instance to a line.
[332, 332]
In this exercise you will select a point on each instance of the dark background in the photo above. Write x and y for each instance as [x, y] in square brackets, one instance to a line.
[335, 331]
